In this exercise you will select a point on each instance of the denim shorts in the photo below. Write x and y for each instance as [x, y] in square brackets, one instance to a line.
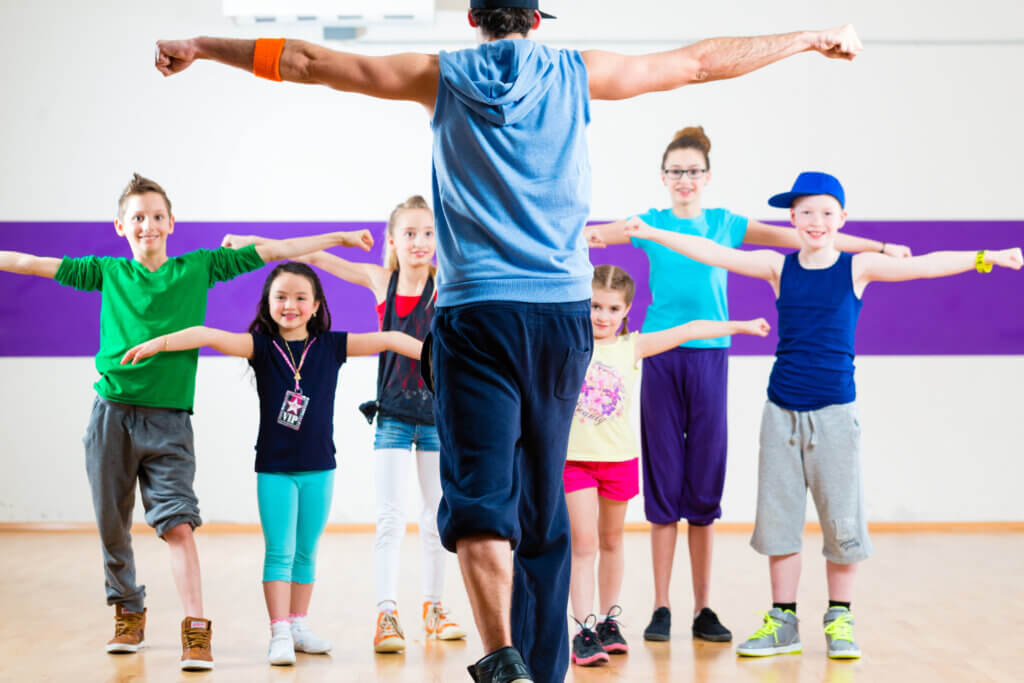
[392, 433]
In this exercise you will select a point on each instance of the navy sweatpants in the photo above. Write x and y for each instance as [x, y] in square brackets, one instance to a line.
[506, 379]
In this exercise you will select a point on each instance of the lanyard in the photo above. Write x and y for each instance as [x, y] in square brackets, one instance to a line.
[290, 360]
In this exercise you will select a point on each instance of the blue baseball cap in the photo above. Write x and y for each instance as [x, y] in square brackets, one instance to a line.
[509, 4]
[810, 183]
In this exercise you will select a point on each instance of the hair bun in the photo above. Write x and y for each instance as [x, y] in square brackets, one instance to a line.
[695, 133]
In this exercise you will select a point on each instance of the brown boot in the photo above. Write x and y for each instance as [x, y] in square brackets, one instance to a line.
[195, 644]
[129, 631]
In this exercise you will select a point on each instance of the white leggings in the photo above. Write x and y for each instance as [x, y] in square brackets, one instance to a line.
[392, 469]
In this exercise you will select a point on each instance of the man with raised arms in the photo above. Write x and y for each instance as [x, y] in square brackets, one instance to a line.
[511, 335]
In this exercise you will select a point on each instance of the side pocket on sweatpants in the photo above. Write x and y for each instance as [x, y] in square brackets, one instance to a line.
[426, 362]
[574, 370]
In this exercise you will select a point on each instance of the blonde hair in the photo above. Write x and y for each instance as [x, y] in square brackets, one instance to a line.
[615, 279]
[691, 137]
[414, 202]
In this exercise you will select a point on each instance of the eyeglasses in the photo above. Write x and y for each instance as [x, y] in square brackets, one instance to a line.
[677, 173]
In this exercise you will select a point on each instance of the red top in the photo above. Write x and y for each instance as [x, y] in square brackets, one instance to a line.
[403, 306]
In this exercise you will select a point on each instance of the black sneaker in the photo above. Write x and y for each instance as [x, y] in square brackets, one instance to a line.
[586, 646]
[501, 666]
[706, 626]
[660, 627]
[609, 634]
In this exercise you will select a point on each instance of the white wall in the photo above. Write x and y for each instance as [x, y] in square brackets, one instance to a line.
[916, 127]
[940, 439]
[922, 125]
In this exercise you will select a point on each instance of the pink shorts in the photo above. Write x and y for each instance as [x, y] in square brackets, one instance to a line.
[613, 480]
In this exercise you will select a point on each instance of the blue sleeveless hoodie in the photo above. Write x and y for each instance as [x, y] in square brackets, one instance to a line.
[818, 314]
[511, 174]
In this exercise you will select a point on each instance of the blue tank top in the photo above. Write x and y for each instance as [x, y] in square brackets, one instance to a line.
[817, 322]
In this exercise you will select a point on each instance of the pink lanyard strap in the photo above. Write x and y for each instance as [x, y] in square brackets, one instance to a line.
[288, 361]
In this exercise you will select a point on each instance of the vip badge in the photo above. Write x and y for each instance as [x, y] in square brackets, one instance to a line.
[292, 410]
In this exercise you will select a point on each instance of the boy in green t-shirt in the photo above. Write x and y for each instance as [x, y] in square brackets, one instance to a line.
[140, 428]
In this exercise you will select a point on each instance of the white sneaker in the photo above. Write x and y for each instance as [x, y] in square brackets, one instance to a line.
[282, 649]
[307, 641]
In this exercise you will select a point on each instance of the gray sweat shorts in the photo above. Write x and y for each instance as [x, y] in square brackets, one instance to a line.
[817, 450]
[125, 444]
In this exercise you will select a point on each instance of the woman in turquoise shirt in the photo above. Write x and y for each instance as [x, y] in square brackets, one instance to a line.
[683, 391]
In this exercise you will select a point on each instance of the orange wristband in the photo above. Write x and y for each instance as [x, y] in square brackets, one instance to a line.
[266, 58]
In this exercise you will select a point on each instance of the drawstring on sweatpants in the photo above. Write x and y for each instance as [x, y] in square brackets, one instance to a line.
[796, 418]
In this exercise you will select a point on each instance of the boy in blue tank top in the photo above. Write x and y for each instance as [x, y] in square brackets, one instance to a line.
[810, 435]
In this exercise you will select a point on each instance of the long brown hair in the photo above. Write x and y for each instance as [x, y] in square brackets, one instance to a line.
[615, 279]
[691, 137]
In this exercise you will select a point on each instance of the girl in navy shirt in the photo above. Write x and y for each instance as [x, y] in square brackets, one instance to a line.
[296, 358]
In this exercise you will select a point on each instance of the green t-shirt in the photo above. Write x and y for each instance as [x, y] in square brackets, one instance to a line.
[139, 305]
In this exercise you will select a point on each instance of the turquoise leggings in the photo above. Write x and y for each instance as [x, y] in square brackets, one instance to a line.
[293, 511]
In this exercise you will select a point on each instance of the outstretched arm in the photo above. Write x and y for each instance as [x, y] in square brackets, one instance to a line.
[764, 264]
[369, 343]
[369, 275]
[614, 76]
[777, 236]
[606, 234]
[409, 76]
[228, 343]
[869, 268]
[27, 264]
[653, 343]
[277, 250]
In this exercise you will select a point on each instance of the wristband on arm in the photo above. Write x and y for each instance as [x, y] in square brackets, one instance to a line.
[979, 263]
[266, 58]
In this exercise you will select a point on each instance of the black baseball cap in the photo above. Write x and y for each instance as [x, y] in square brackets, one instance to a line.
[508, 4]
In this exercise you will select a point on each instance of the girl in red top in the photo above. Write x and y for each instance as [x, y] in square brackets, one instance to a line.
[404, 291]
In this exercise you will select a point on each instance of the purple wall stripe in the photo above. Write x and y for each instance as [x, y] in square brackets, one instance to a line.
[967, 314]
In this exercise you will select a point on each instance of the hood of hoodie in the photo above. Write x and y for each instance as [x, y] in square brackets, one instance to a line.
[502, 81]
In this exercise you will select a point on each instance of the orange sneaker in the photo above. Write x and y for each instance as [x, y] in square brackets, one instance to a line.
[439, 625]
[196, 654]
[389, 636]
[129, 631]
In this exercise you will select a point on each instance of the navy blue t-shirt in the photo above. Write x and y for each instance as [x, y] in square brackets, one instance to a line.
[311, 447]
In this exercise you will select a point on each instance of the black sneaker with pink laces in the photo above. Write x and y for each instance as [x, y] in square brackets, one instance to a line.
[610, 635]
[586, 646]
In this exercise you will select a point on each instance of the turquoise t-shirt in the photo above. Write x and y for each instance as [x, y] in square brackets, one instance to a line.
[683, 289]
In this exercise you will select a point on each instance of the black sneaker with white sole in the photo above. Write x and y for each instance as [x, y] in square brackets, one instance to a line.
[501, 666]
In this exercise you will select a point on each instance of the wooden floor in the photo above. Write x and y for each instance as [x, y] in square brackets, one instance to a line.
[935, 607]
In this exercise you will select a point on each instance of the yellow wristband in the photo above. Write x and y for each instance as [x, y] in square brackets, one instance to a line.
[979, 263]
[165, 341]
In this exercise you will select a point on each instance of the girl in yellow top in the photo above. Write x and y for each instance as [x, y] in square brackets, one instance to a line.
[602, 467]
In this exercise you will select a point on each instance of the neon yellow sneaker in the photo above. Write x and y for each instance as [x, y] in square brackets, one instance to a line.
[778, 635]
[439, 625]
[839, 634]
